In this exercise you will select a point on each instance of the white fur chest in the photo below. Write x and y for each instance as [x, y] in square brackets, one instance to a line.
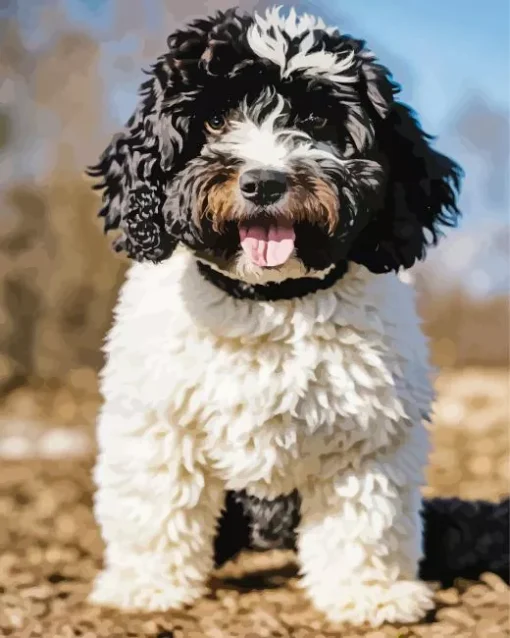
[271, 392]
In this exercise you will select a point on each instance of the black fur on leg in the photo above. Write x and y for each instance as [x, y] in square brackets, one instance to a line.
[272, 523]
[233, 533]
[462, 539]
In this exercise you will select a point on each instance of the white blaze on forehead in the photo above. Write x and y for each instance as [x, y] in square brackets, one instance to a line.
[268, 38]
[258, 144]
[263, 143]
[267, 142]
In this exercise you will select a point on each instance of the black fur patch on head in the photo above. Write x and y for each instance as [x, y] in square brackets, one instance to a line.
[397, 191]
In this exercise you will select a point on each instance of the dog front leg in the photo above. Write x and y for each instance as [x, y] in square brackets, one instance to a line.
[359, 545]
[157, 509]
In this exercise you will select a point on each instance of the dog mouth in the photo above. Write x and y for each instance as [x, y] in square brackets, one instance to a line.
[266, 241]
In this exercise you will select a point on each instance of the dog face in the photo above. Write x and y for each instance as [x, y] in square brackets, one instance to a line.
[273, 147]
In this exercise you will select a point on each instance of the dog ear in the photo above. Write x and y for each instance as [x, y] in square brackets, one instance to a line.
[140, 162]
[421, 189]
[132, 177]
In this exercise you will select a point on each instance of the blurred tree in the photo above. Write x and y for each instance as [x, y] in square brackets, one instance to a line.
[58, 277]
[5, 128]
[13, 54]
[66, 83]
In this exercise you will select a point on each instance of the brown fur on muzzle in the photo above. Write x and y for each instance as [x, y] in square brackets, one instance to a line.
[309, 199]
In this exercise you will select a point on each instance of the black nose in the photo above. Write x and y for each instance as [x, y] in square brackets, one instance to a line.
[263, 186]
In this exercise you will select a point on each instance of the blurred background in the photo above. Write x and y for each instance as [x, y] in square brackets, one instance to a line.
[69, 72]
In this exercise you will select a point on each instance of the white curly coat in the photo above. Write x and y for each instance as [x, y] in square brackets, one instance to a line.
[203, 393]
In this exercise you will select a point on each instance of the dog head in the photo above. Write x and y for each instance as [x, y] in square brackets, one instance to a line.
[274, 147]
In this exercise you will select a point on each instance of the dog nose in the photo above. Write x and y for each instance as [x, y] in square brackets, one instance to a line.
[263, 186]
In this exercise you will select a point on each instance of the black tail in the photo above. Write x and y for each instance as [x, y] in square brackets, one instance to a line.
[462, 539]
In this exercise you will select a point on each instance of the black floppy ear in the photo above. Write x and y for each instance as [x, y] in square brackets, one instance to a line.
[133, 185]
[421, 189]
[140, 162]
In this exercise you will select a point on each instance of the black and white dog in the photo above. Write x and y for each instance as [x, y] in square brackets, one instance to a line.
[269, 186]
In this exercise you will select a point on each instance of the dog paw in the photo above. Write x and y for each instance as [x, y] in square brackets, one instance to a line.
[402, 602]
[128, 591]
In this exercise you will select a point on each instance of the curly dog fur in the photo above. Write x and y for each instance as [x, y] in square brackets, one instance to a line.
[268, 188]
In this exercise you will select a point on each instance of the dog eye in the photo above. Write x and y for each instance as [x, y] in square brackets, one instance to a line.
[315, 122]
[215, 123]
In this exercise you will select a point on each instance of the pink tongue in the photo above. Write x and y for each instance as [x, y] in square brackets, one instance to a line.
[268, 246]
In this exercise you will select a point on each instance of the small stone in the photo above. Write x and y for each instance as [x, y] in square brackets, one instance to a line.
[495, 582]
[448, 596]
[456, 615]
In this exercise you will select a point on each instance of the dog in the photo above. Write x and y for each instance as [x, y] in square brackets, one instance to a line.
[269, 188]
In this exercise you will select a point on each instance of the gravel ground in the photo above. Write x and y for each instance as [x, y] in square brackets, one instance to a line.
[50, 548]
